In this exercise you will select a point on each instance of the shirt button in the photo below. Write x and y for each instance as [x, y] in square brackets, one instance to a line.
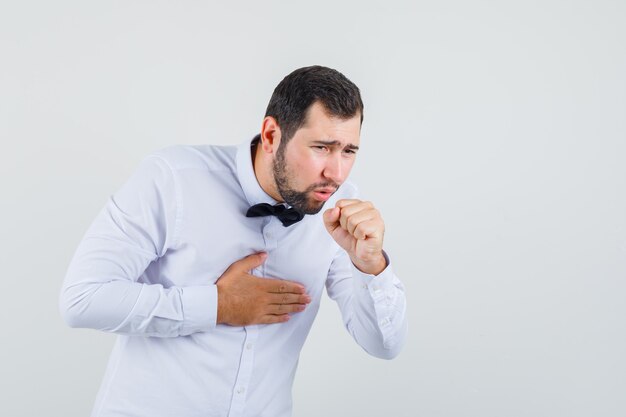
[268, 235]
[241, 390]
[249, 346]
[377, 291]
[385, 321]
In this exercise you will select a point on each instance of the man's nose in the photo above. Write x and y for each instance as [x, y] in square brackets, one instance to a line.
[334, 168]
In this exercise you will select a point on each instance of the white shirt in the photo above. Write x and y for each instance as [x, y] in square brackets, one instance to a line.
[146, 270]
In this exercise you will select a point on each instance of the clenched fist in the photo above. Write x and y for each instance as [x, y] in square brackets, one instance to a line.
[243, 299]
[358, 228]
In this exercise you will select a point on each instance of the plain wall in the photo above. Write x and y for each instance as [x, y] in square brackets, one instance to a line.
[494, 144]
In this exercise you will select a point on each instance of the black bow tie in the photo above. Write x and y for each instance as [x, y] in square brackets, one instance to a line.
[287, 216]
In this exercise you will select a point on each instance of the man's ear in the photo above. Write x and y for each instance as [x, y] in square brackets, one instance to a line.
[270, 135]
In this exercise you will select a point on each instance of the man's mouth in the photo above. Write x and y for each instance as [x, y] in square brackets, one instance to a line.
[323, 194]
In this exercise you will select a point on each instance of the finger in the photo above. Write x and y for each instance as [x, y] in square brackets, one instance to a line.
[352, 209]
[280, 286]
[359, 217]
[289, 299]
[251, 261]
[284, 308]
[356, 207]
[368, 229]
[344, 202]
[274, 318]
[331, 219]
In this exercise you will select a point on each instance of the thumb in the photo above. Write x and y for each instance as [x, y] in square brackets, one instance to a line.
[251, 261]
[331, 218]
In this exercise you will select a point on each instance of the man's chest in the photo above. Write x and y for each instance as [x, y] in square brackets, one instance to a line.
[214, 236]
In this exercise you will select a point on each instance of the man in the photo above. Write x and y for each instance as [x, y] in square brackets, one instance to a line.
[210, 262]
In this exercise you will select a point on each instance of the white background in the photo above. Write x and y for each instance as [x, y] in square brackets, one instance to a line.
[494, 144]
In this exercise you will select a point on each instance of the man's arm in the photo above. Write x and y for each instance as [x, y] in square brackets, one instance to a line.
[138, 225]
[371, 298]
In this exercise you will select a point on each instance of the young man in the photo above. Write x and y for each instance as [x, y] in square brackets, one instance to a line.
[210, 262]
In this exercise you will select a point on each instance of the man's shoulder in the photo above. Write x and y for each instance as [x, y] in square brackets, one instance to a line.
[197, 157]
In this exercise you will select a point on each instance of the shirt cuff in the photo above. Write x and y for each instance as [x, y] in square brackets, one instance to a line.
[199, 309]
[380, 286]
[383, 297]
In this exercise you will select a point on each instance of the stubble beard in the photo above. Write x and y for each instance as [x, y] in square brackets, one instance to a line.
[297, 199]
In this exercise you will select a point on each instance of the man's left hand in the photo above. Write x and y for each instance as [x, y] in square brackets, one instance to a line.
[358, 228]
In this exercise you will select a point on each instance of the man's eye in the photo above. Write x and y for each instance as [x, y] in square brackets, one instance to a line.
[352, 151]
[320, 147]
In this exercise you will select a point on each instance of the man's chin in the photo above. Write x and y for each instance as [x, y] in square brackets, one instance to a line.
[313, 207]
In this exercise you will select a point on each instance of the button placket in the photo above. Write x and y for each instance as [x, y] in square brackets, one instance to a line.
[270, 233]
[242, 381]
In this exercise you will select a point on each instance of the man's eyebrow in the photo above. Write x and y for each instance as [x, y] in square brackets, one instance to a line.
[335, 143]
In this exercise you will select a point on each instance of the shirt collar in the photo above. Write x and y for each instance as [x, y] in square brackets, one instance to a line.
[247, 178]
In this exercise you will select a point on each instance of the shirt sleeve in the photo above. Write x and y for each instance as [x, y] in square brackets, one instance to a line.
[137, 225]
[373, 307]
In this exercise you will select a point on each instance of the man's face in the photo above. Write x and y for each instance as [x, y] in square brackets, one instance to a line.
[316, 160]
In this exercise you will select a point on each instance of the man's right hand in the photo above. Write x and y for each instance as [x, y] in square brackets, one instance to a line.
[243, 299]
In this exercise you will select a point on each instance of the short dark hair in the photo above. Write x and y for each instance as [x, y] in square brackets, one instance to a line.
[295, 94]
